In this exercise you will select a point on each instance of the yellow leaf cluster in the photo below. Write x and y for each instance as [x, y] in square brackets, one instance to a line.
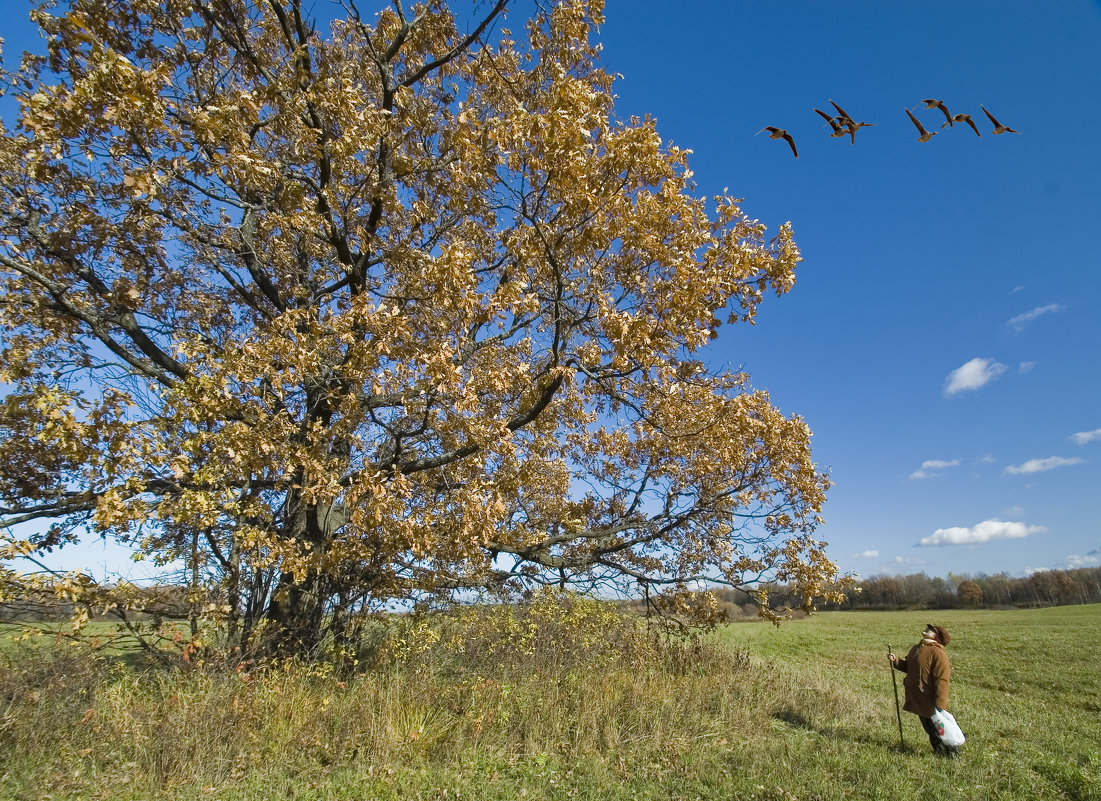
[380, 313]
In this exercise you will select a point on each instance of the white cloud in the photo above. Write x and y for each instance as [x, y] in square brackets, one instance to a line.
[987, 459]
[939, 464]
[986, 531]
[932, 467]
[1085, 437]
[1021, 320]
[973, 375]
[1015, 511]
[1026, 367]
[866, 555]
[1041, 465]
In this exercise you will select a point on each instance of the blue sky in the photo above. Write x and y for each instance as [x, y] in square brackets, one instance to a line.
[943, 338]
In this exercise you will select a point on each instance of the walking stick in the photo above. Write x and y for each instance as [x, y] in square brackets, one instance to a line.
[898, 712]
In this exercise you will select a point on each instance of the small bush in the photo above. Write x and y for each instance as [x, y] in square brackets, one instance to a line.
[555, 632]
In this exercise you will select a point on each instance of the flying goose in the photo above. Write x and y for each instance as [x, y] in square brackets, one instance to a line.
[963, 118]
[837, 129]
[925, 135]
[780, 133]
[998, 127]
[930, 103]
[849, 123]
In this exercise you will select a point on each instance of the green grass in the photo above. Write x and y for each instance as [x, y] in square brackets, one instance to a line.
[804, 712]
[104, 638]
[1026, 689]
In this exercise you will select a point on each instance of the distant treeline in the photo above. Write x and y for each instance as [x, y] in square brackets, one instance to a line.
[167, 601]
[915, 591]
[919, 591]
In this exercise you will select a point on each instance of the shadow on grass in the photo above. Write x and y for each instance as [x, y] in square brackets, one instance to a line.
[793, 718]
[798, 721]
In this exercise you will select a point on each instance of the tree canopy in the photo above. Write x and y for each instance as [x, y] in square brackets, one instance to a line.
[378, 311]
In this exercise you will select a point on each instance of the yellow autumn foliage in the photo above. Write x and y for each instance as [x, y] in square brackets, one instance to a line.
[362, 315]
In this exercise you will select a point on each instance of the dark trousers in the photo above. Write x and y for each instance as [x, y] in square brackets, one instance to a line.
[939, 748]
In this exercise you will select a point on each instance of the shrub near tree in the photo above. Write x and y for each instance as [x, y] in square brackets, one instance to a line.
[376, 312]
[969, 593]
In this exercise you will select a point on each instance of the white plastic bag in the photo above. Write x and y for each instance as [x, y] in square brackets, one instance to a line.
[947, 729]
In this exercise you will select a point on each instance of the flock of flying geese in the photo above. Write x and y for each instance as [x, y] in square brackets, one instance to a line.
[842, 124]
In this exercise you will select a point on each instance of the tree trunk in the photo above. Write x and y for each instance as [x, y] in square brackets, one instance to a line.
[296, 616]
[297, 610]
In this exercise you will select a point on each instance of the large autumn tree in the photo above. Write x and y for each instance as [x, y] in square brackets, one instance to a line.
[377, 311]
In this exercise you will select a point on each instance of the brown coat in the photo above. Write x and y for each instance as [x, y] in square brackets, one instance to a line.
[928, 672]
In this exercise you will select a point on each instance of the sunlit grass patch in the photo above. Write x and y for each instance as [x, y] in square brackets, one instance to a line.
[805, 711]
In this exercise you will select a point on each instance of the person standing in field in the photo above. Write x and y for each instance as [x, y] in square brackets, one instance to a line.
[928, 672]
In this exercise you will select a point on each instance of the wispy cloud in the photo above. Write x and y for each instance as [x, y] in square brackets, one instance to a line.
[1085, 437]
[1019, 322]
[986, 531]
[866, 555]
[1072, 562]
[973, 375]
[932, 467]
[1041, 465]
[905, 562]
[1026, 367]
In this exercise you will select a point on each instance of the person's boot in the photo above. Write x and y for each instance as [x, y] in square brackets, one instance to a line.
[946, 751]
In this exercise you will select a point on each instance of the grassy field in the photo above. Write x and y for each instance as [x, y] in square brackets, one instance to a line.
[804, 712]
[1026, 689]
